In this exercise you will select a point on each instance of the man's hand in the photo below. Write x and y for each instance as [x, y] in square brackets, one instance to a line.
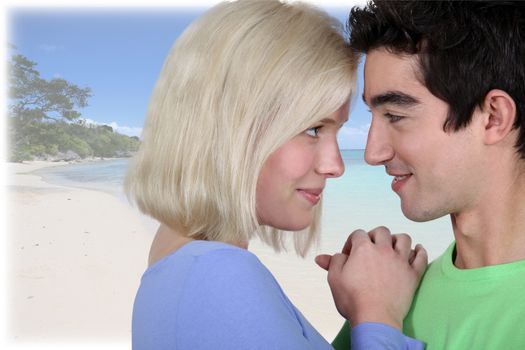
[375, 276]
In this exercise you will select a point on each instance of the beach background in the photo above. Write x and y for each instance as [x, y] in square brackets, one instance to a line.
[77, 249]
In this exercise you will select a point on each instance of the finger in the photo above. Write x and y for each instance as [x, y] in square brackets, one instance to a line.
[335, 269]
[381, 236]
[411, 256]
[323, 261]
[420, 260]
[355, 237]
[402, 244]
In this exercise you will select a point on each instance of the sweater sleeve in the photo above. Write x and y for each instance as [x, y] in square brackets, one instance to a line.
[231, 301]
[379, 336]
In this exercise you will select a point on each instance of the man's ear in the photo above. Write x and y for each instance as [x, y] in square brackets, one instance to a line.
[499, 113]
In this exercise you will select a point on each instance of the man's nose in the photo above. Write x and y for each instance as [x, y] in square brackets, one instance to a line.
[378, 146]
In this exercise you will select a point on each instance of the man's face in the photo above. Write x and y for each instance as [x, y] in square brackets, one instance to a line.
[435, 172]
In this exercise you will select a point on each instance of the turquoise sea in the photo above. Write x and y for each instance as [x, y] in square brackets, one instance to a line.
[361, 198]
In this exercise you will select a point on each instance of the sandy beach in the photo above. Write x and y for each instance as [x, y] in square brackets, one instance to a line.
[74, 264]
[76, 257]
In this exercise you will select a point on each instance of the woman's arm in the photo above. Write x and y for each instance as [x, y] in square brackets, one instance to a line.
[233, 302]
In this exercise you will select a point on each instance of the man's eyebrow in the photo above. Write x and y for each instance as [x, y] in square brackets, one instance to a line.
[393, 97]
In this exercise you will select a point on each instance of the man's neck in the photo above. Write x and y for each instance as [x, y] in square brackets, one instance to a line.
[493, 232]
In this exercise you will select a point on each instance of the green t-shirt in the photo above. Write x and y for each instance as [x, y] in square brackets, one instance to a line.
[478, 309]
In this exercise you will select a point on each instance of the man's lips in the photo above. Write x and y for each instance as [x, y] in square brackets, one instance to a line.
[399, 180]
[311, 195]
[401, 177]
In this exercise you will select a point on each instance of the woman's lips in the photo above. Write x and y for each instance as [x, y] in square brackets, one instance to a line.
[311, 195]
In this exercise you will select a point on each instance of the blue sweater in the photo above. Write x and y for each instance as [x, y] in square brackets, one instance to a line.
[211, 295]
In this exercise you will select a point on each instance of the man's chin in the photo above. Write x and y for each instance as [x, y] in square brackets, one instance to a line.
[418, 214]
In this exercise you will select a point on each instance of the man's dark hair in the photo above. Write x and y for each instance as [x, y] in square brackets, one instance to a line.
[465, 48]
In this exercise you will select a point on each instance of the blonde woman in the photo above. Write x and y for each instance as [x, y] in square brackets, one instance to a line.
[239, 142]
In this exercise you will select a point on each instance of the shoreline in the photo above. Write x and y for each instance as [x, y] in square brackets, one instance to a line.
[28, 166]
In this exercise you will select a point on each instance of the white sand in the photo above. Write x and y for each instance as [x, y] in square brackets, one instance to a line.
[76, 258]
[75, 261]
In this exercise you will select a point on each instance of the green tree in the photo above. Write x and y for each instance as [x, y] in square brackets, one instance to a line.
[44, 119]
[37, 99]
[35, 105]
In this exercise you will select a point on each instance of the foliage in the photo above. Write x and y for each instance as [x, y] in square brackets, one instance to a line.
[44, 121]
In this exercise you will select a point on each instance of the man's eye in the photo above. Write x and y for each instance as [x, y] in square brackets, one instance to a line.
[313, 131]
[392, 118]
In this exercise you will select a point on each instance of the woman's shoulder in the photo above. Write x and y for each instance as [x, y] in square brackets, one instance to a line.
[213, 261]
[214, 288]
[203, 248]
[199, 252]
[225, 260]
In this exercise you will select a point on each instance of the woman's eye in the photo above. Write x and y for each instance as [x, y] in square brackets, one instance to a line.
[313, 131]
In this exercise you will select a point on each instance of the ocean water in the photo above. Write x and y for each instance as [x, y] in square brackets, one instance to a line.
[106, 175]
[361, 198]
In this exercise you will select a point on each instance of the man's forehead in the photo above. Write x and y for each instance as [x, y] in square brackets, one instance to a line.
[391, 77]
[380, 63]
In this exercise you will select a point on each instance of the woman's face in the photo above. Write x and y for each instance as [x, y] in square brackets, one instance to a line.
[292, 179]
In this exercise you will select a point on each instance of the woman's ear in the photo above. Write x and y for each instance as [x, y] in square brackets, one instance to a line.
[499, 113]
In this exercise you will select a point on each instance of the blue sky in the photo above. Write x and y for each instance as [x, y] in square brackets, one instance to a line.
[118, 52]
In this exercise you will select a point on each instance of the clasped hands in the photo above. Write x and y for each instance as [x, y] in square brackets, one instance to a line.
[375, 276]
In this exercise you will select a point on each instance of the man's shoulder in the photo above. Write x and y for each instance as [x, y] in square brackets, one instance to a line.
[435, 266]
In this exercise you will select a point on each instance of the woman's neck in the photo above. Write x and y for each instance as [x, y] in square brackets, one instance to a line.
[166, 242]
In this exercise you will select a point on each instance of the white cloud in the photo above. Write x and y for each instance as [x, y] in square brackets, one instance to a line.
[50, 48]
[353, 137]
[125, 130]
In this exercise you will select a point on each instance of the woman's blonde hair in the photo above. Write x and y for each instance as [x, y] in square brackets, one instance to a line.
[241, 80]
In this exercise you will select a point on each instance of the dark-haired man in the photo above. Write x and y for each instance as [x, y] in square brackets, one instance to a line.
[445, 82]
